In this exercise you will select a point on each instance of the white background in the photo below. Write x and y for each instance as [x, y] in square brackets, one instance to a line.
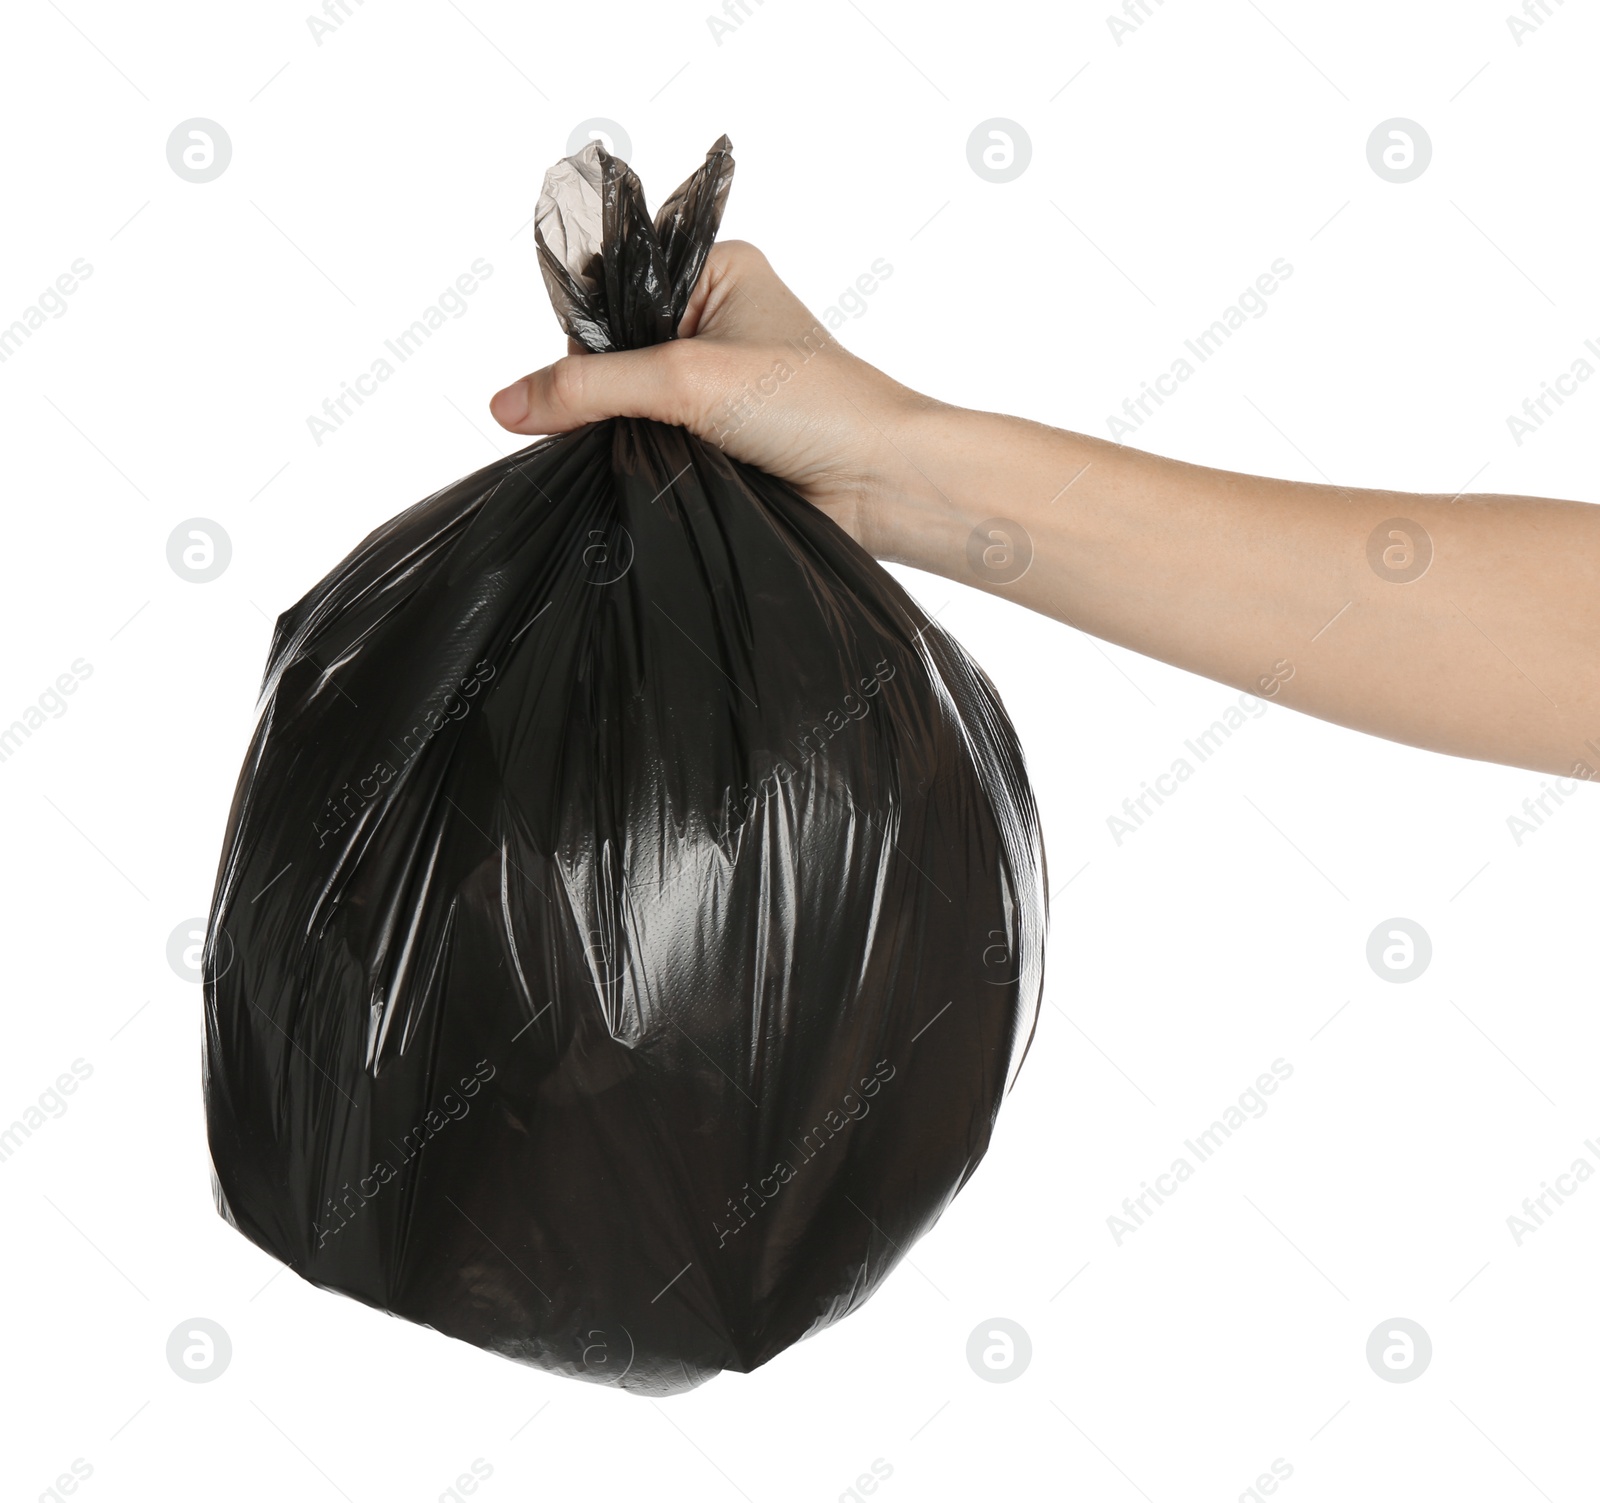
[1167, 172]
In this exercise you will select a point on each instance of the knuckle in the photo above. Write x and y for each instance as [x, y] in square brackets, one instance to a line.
[690, 380]
[567, 383]
[680, 363]
[679, 359]
[689, 367]
[737, 256]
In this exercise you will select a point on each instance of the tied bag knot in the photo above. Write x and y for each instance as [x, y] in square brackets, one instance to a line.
[618, 280]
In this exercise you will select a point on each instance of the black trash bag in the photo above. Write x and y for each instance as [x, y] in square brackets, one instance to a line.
[632, 906]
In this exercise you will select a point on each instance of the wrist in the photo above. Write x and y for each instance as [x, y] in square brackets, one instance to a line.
[916, 507]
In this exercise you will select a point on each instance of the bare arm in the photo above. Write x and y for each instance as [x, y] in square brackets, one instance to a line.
[1466, 625]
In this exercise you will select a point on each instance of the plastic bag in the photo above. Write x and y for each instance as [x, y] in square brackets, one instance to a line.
[631, 911]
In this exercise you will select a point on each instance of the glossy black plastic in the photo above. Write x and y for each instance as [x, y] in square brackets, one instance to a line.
[631, 912]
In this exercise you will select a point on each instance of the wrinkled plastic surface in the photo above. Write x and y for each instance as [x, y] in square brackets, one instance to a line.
[632, 907]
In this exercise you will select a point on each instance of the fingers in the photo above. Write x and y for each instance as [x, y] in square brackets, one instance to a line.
[737, 300]
[740, 296]
[588, 388]
[719, 277]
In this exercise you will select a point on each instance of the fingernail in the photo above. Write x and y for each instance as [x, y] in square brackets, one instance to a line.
[510, 407]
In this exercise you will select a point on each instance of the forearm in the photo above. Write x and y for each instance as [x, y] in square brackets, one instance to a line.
[1266, 585]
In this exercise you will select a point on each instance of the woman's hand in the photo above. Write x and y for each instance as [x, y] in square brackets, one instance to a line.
[1279, 589]
[754, 372]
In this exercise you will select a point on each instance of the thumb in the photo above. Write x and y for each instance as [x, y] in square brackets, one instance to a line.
[586, 388]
